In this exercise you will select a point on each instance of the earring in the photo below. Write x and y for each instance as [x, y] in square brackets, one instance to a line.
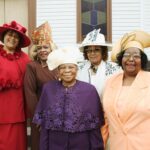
[59, 79]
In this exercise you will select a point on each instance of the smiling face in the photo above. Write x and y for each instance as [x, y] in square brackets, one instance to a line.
[131, 61]
[42, 51]
[11, 41]
[94, 54]
[67, 73]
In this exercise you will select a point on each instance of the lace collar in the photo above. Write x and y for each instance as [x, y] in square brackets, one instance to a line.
[14, 56]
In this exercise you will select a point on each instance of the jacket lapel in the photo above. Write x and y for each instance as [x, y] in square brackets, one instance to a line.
[116, 88]
[136, 94]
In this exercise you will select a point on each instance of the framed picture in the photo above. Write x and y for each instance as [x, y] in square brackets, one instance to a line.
[94, 14]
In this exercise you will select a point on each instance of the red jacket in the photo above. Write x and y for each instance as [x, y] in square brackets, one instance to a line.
[12, 70]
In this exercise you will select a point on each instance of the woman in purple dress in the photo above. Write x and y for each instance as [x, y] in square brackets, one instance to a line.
[69, 111]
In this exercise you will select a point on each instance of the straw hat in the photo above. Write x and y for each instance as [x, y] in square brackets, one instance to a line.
[13, 25]
[94, 38]
[138, 38]
[62, 56]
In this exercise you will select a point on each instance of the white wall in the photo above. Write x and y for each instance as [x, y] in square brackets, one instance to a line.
[14, 10]
[127, 15]
[2, 16]
[145, 15]
[61, 16]
[145, 21]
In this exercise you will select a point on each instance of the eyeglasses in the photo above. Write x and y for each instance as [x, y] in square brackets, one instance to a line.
[90, 51]
[134, 56]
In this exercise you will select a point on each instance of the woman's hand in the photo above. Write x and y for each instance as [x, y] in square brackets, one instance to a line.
[39, 127]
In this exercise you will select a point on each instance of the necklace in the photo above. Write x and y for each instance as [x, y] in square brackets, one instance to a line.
[94, 68]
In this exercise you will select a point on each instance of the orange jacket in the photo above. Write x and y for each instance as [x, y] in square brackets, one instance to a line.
[132, 132]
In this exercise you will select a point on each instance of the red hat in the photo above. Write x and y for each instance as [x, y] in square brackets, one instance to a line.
[13, 25]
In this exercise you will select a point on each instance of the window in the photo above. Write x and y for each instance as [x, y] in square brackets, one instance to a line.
[93, 14]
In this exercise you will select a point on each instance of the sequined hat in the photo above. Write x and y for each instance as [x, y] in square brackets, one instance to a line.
[94, 38]
[42, 34]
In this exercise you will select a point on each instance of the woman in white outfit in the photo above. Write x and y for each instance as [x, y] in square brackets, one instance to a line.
[96, 69]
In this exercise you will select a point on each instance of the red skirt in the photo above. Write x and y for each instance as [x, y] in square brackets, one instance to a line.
[13, 136]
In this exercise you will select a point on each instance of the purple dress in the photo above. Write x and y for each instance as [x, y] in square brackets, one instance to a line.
[70, 118]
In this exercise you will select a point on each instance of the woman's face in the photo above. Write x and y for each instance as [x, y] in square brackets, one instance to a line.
[131, 61]
[11, 40]
[94, 54]
[67, 73]
[42, 51]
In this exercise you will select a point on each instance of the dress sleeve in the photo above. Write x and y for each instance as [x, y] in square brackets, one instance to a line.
[30, 90]
[104, 131]
[104, 128]
[40, 113]
[96, 140]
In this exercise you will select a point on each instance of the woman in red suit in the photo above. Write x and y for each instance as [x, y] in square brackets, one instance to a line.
[12, 68]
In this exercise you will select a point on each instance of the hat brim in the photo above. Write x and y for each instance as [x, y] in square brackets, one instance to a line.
[94, 44]
[25, 41]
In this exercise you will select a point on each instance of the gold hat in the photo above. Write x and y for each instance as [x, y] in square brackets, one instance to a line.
[139, 39]
[42, 34]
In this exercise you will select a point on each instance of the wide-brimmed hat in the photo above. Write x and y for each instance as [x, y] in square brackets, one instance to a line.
[13, 25]
[138, 39]
[43, 34]
[94, 38]
[61, 56]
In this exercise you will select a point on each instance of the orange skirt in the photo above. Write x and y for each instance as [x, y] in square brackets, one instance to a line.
[13, 136]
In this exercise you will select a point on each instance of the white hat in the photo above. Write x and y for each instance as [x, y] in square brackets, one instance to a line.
[62, 56]
[94, 38]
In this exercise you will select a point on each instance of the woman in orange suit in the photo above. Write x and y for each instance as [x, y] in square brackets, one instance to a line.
[126, 98]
